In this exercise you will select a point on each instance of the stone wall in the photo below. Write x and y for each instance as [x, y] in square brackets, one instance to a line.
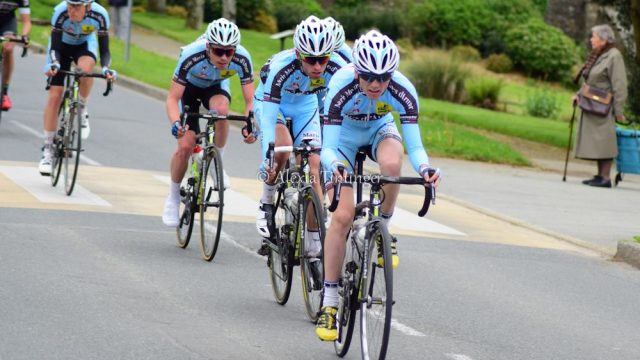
[574, 17]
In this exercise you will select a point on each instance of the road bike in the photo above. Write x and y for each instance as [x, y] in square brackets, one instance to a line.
[203, 190]
[366, 283]
[3, 40]
[298, 208]
[67, 141]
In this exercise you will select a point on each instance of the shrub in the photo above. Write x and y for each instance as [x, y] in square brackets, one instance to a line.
[265, 22]
[405, 47]
[541, 49]
[483, 92]
[177, 11]
[360, 18]
[542, 104]
[499, 63]
[247, 11]
[438, 76]
[290, 13]
[465, 53]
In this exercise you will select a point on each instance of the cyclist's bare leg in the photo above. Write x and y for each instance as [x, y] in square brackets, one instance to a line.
[220, 104]
[389, 158]
[86, 64]
[314, 164]
[7, 56]
[283, 138]
[51, 109]
[334, 246]
[180, 159]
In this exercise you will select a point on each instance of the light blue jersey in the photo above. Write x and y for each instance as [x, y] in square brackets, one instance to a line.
[76, 33]
[352, 120]
[195, 68]
[345, 53]
[284, 90]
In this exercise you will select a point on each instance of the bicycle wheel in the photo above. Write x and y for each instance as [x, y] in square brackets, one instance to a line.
[280, 259]
[348, 301]
[187, 212]
[72, 146]
[211, 199]
[56, 160]
[311, 267]
[377, 295]
[1, 82]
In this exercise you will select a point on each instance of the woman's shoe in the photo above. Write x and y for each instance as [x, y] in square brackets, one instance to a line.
[594, 178]
[602, 182]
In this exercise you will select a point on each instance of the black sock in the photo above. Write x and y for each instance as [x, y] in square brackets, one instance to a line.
[5, 89]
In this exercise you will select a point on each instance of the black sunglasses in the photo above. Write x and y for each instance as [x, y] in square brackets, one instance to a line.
[312, 60]
[368, 77]
[222, 52]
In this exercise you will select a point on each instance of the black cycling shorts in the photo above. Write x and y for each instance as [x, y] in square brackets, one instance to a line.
[69, 53]
[193, 96]
[8, 25]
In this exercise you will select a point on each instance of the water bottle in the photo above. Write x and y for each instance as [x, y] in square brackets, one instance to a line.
[291, 202]
[196, 158]
[359, 229]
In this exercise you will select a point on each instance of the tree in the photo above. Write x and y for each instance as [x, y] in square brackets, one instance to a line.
[229, 10]
[158, 6]
[195, 10]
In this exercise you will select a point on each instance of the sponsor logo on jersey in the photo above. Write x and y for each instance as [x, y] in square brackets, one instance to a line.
[227, 73]
[87, 29]
[383, 108]
[316, 83]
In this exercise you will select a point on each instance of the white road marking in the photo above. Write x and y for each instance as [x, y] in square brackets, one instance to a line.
[38, 134]
[40, 187]
[407, 330]
[458, 357]
[407, 220]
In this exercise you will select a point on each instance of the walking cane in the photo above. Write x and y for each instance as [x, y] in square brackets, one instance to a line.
[566, 159]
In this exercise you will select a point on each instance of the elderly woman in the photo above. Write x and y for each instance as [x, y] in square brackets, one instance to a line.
[596, 135]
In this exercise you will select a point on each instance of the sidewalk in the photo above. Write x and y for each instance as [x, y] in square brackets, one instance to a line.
[535, 197]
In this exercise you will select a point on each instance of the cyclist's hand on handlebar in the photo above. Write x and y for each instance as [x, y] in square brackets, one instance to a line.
[248, 138]
[178, 131]
[339, 171]
[109, 74]
[431, 175]
[52, 69]
[25, 39]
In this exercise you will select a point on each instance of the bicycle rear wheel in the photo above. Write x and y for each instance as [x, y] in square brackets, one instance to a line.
[311, 267]
[72, 146]
[211, 199]
[377, 295]
[187, 213]
[348, 301]
[280, 259]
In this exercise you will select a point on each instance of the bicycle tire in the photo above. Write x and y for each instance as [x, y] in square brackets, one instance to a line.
[56, 159]
[376, 295]
[1, 82]
[187, 214]
[280, 261]
[72, 150]
[311, 274]
[348, 301]
[211, 198]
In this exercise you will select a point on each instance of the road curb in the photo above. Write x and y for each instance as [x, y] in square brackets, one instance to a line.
[629, 252]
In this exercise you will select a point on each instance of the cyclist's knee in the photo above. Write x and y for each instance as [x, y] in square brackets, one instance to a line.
[342, 217]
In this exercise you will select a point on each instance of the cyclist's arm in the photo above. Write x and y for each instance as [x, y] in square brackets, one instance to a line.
[417, 155]
[103, 43]
[268, 124]
[56, 44]
[247, 92]
[25, 15]
[173, 108]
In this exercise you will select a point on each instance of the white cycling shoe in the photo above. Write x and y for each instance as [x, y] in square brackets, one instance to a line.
[312, 243]
[171, 216]
[86, 129]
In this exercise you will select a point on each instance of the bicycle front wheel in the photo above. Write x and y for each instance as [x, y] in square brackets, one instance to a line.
[280, 259]
[72, 146]
[58, 143]
[376, 294]
[348, 300]
[211, 200]
[311, 265]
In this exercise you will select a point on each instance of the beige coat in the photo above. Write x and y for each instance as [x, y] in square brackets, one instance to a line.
[596, 135]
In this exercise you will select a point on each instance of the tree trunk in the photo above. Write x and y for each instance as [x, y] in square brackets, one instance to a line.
[635, 20]
[195, 9]
[229, 10]
[158, 6]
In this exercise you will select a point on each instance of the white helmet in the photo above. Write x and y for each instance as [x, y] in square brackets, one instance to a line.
[313, 37]
[375, 53]
[338, 32]
[222, 32]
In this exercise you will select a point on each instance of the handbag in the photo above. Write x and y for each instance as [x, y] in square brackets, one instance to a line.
[594, 100]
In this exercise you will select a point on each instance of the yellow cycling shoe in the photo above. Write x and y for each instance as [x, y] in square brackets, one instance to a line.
[326, 326]
[395, 259]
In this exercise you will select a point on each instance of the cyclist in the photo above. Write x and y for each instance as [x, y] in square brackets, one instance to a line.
[341, 48]
[292, 84]
[9, 28]
[357, 113]
[74, 25]
[202, 77]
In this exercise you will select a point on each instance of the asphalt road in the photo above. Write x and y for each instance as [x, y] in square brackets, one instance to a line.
[101, 278]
